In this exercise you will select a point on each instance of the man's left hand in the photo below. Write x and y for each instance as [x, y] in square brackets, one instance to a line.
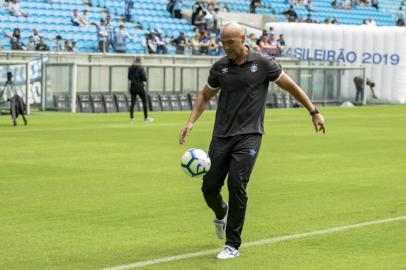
[318, 122]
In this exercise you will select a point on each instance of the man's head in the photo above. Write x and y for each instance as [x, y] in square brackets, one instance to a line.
[233, 40]
[36, 31]
[138, 60]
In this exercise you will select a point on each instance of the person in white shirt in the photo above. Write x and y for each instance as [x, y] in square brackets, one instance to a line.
[14, 9]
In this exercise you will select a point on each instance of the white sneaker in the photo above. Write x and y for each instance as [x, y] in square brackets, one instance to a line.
[228, 253]
[220, 226]
[132, 121]
[149, 120]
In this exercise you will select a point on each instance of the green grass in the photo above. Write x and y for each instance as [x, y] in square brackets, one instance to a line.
[88, 191]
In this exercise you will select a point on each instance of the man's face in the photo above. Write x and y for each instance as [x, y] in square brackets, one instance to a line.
[233, 44]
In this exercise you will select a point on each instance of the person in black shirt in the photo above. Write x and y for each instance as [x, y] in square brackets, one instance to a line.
[254, 4]
[243, 76]
[41, 46]
[137, 77]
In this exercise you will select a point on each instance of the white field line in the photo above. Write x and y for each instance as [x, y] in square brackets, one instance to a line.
[255, 243]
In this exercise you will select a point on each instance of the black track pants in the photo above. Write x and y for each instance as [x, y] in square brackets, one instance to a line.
[233, 156]
[143, 96]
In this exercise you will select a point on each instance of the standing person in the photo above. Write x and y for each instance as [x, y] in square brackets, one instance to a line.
[120, 39]
[137, 77]
[128, 5]
[102, 36]
[110, 32]
[243, 76]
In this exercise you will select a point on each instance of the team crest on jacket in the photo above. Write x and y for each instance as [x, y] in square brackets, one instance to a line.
[254, 68]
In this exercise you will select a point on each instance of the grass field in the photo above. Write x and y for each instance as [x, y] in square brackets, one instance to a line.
[90, 191]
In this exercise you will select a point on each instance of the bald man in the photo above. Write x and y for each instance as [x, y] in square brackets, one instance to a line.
[242, 77]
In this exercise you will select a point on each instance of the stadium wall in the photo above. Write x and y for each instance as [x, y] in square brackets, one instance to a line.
[380, 49]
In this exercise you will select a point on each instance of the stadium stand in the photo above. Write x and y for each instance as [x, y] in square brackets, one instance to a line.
[54, 18]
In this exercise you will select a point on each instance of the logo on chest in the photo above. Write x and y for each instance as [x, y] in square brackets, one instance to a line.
[254, 68]
[224, 70]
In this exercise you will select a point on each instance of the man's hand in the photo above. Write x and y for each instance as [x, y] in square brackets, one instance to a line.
[318, 122]
[185, 132]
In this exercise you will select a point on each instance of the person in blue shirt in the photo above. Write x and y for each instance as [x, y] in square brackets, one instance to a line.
[102, 35]
[110, 32]
[177, 9]
[128, 5]
[120, 39]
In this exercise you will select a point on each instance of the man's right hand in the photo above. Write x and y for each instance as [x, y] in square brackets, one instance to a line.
[185, 132]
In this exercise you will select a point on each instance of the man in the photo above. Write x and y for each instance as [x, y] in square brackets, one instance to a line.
[42, 46]
[243, 77]
[137, 77]
[110, 32]
[281, 45]
[128, 6]
[254, 4]
[359, 86]
[120, 39]
[77, 19]
[102, 35]
[36, 35]
[14, 9]
[290, 14]
[181, 43]
[177, 9]
[58, 43]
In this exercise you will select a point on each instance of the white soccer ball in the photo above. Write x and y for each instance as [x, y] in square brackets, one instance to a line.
[195, 162]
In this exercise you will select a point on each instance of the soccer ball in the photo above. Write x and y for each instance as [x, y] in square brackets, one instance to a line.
[195, 162]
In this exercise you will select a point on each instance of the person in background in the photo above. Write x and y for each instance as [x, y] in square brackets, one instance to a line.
[204, 43]
[15, 40]
[102, 36]
[77, 19]
[67, 46]
[214, 46]
[137, 77]
[58, 43]
[85, 17]
[281, 44]
[197, 7]
[128, 6]
[121, 38]
[290, 14]
[42, 46]
[14, 8]
[400, 17]
[180, 43]
[177, 9]
[31, 45]
[195, 44]
[251, 42]
[254, 4]
[151, 43]
[36, 35]
[110, 32]
[161, 43]
[359, 86]
[375, 4]
[74, 46]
